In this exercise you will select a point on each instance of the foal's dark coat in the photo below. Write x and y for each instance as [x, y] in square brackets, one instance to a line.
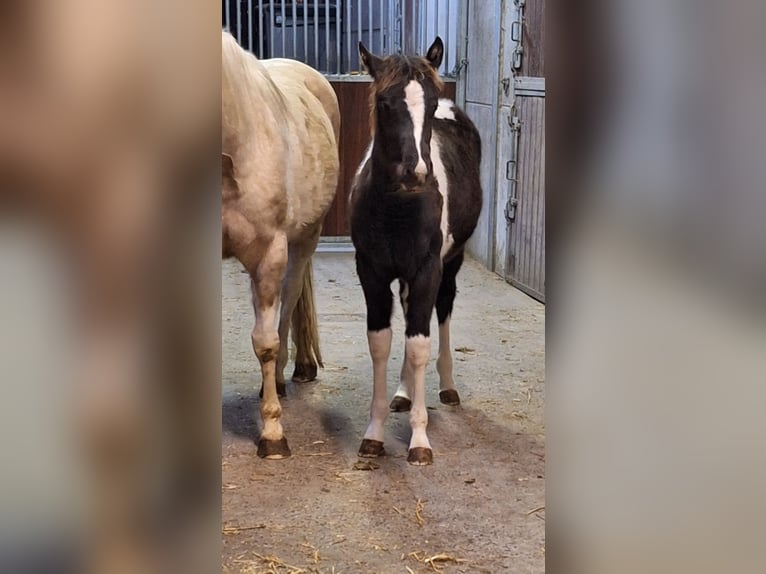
[396, 213]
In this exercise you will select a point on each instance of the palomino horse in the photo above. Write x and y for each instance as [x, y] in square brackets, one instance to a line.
[281, 125]
[415, 202]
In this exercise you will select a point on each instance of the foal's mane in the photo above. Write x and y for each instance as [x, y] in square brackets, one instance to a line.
[400, 69]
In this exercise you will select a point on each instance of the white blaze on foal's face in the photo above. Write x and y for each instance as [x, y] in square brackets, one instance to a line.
[414, 96]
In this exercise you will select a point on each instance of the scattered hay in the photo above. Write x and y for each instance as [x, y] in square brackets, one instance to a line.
[435, 562]
[238, 529]
[535, 510]
[314, 552]
[466, 350]
[269, 565]
[365, 465]
[419, 506]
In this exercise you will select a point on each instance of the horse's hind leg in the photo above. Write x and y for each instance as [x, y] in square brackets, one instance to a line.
[292, 286]
[266, 283]
[444, 302]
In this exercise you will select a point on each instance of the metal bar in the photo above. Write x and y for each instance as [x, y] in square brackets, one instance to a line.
[271, 30]
[369, 23]
[358, 32]
[424, 26]
[228, 15]
[316, 33]
[348, 35]
[260, 29]
[327, 33]
[337, 36]
[294, 30]
[414, 40]
[436, 28]
[381, 47]
[250, 24]
[447, 67]
[403, 27]
[282, 4]
[305, 33]
[239, 22]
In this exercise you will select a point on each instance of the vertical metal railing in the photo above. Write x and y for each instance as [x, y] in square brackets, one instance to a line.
[333, 28]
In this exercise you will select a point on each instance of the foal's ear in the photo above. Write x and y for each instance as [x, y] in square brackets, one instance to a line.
[435, 53]
[370, 61]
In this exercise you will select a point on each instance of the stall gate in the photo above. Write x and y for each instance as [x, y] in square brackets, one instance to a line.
[504, 94]
[525, 171]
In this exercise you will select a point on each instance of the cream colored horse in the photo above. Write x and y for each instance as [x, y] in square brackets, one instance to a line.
[280, 166]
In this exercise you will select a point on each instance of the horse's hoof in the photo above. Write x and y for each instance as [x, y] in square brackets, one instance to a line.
[273, 449]
[281, 390]
[449, 397]
[304, 372]
[400, 405]
[371, 448]
[420, 456]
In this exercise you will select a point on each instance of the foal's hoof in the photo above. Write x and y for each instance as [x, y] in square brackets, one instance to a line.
[449, 397]
[400, 405]
[281, 390]
[371, 448]
[420, 456]
[304, 372]
[273, 449]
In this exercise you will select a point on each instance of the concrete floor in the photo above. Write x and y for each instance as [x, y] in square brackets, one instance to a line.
[479, 508]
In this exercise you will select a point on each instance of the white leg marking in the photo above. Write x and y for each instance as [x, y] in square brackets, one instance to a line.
[405, 379]
[414, 97]
[444, 362]
[380, 348]
[417, 352]
[444, 110]
[441, 178]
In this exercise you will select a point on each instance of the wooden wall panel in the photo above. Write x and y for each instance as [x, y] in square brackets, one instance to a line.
[353, 100]
[533, 59]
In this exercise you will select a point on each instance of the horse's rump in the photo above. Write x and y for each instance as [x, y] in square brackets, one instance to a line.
[281, 125]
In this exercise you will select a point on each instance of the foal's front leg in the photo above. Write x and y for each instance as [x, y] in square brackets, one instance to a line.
[417, 352]
[377, 295]
[266, 283]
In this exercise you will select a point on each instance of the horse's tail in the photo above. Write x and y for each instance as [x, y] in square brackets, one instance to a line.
[305, 331]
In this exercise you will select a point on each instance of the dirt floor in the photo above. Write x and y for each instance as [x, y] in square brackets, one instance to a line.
[479, 508]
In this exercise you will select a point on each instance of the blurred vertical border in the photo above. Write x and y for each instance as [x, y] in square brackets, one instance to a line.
[109, 250]
[656, 334]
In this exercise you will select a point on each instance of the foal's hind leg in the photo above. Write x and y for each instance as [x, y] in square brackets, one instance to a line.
[401, 401]
[266, 283]
[444, 303]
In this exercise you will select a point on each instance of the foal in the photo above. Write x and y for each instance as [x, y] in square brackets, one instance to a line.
[414, 203]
